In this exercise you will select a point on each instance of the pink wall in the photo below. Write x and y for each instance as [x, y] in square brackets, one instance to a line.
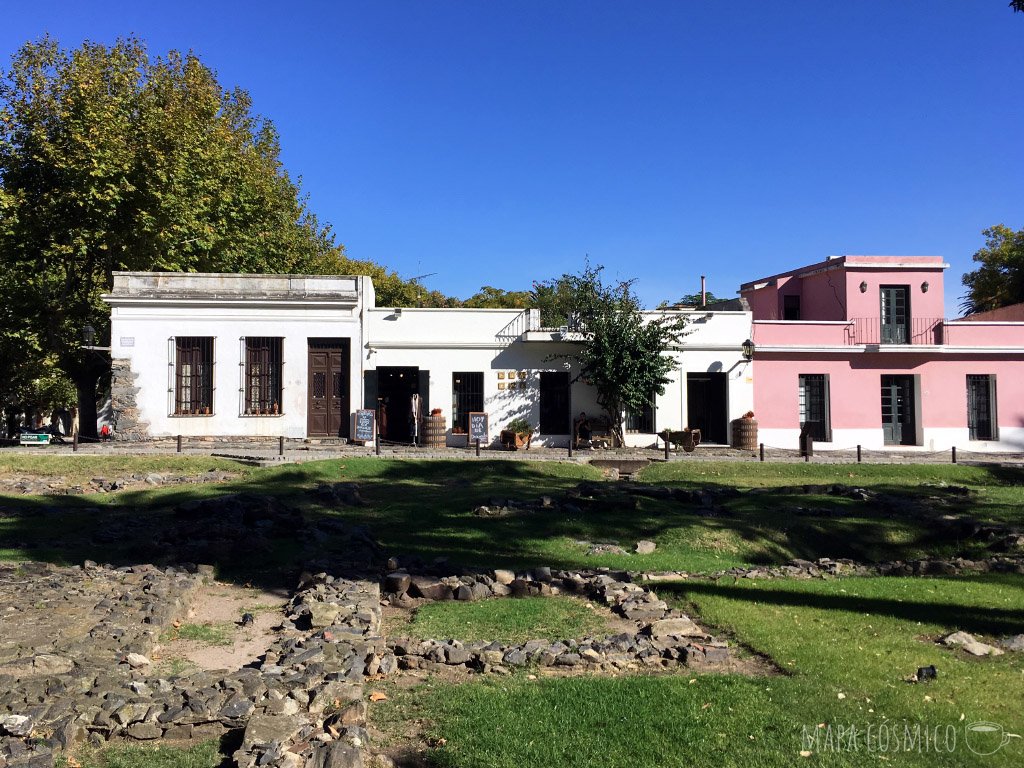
[984, 334]
[804, 333]
[833, 293]
[922, 304]
[1012, 313]
[855, 384]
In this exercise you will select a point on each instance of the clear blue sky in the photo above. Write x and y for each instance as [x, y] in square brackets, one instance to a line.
[496, 142]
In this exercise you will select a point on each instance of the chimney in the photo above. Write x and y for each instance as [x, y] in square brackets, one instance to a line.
[703, 291]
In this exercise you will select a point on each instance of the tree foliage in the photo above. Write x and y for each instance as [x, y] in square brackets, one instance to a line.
[112, 160]
[489, 297]
[690, 300]
[624, 353]
[999, 280]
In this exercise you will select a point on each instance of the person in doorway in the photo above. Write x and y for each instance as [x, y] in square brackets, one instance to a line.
[414, 418]
[582, 429]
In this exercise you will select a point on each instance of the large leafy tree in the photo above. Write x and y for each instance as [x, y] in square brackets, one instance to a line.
[623, 352]
[999, 279]
[111, 160]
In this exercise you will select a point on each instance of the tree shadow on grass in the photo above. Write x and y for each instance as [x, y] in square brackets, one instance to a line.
[970, 618]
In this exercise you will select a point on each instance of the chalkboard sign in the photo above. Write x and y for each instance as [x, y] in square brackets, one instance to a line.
[477, 427]
[364, 425]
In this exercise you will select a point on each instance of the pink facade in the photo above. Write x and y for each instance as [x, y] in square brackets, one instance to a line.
[855, 351]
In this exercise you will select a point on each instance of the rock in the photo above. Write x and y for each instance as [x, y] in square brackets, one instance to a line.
[263, 729]
[51, 664]
[397, 582]
[970, 644]
[1015, 643]
[145, 731]
[464, 593]
[16, 725]
[645, 547]
[455, 655]
[542, 574]
[680, 627]
[504, 577]
[323, 615]
[429, 588]
[237, 710]
[137, 660]
[334, 694]
[335, 755]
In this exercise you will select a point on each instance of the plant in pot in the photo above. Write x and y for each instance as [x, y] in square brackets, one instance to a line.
[516, 434]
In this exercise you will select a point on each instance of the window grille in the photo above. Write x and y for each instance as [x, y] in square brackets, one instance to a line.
[641, 421]
[981, 407]
[467, 397]
[815, 411]
[263, 374]
[193, 379]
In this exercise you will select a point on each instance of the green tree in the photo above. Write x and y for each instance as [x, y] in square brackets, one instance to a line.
[999, 280]
[623, 353]
[489, 297]
[690, 300]
[112, 161]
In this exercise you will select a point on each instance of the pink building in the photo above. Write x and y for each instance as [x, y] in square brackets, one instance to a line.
[856, 350]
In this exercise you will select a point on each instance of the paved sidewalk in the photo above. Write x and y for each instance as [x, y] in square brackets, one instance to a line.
[267, 451]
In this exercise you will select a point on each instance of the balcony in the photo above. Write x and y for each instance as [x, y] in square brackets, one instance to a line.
[918, 330]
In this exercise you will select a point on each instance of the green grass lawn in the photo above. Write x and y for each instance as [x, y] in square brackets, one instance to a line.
[425, 508]
[510, 621]
[79, 468]
[846, 645]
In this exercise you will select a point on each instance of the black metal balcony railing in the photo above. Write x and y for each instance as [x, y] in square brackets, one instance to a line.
[917, 330]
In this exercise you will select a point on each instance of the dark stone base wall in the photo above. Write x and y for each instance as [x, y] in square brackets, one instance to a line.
[127, 424]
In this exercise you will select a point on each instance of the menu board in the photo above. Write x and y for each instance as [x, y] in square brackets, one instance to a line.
[477, 427]
[364, 425]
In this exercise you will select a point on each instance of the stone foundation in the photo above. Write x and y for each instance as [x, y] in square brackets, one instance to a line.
[127, 424]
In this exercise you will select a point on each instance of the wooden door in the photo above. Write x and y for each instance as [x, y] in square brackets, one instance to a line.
[328, 388]
[554, 403]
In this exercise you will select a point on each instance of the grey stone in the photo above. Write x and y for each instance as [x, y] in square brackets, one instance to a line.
[428, 588]
[679, 627]
[16, 725]
[970, 644]
[645, 547]
[237, 710]
[137, 660]
[504, 577]
[145, 731]
[52, 664]
[335, 755]
[263, 729]
[1015, 643]
[397, 582]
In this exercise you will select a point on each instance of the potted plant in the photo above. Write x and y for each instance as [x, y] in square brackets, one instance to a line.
[516, 434]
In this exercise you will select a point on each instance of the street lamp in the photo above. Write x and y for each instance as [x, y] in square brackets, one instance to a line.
[748, 349]
[89, 335]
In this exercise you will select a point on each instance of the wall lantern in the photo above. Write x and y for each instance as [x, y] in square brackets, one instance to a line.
[863, 286]
[924, 287]
[89, 335]
[748, 349]
[398, 311]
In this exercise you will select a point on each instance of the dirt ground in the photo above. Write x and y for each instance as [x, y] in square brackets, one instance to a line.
[220, 607]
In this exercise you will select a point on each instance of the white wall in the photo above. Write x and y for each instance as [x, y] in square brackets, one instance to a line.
[144, 335]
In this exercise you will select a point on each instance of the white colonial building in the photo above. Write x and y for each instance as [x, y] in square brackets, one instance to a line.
[226, 355]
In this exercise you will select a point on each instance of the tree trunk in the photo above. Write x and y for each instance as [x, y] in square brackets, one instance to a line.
[85, 384]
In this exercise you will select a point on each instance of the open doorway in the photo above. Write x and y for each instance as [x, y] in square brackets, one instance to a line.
[707, 406]
[395, 387]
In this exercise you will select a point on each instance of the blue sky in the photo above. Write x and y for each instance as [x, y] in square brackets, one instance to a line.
[497, 142]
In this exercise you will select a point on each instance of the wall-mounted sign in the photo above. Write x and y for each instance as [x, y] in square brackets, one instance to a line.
[127, 341]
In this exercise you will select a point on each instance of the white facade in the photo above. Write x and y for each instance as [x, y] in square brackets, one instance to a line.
[388, 352]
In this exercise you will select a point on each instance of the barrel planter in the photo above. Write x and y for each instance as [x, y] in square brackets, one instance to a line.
[744, 434]
[435, 429]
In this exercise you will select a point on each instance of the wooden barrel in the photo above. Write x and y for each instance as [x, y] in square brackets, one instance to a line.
[744, 434]
[435, 431]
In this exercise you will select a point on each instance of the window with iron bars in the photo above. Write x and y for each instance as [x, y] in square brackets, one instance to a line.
[467, 397]
[263, 363]
[815, 406]
[193, 375]
[641, 421]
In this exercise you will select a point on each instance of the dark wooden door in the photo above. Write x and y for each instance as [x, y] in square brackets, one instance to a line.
[981, 399]
[898, 427]
[328, 388]
[707, 406]
[554, 403]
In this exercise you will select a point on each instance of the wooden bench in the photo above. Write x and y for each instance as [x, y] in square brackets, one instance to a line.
[600, 433]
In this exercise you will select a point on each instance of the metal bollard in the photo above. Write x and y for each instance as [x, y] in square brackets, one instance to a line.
[478, 446]
[280, 445]
[666, 446]
[377, 443]
[858, 453]
[179, 443]
[762, 451]
[74, 443]
[954, 454]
